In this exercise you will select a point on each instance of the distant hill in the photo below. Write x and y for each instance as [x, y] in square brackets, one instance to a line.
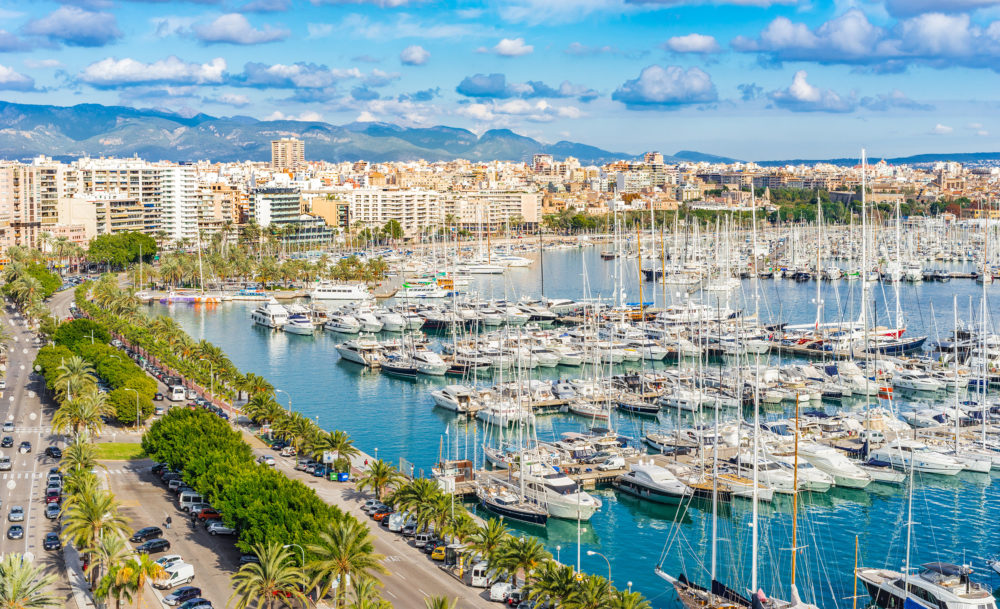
[916, 159]
[94, 130]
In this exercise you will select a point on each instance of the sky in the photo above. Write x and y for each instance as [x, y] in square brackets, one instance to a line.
[749, 79]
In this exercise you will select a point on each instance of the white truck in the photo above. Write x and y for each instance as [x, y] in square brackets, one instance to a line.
[176, 574]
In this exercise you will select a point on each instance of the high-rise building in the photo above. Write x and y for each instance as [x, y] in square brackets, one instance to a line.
[287, 153]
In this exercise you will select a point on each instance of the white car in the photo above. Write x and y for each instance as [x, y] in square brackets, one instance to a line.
[5, 463]
[217, 528]
[8, 427]
[16, 514]
[169, 559]
[266, 460]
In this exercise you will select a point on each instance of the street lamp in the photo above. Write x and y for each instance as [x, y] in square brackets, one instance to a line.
[211, 372]
[136, 406]
[289, 399]
[289, 545]
[558, 550]
[592, 553]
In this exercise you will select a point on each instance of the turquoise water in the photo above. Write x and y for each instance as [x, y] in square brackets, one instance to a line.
[396, 418]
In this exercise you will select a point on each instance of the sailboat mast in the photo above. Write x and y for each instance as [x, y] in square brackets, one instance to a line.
[795, 496]
[638, 241]
[756, 391]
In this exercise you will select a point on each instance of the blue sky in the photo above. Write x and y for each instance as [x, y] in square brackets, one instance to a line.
[752, 79]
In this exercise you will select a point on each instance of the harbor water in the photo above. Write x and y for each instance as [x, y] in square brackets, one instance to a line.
[396, 419]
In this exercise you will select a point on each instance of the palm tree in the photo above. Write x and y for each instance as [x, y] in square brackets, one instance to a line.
[74, 373]
[594, 592]
[418, 492]
[257, 384]
[86, 413]
[344, 549]
[23, 586]
[380, 476]
[440, 602]
[366, 596]
[137, 571]
[276, 575]
[88, 517]
[554, 584]
[79, 456]
[521, 555]
[629, 600]
[263, 408]
[335, 442]
[114, 586]
[110, 552]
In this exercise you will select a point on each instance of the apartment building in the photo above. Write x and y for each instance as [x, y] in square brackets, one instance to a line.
[287, 153]
[493, 210]
[179, 199]
[414, 209]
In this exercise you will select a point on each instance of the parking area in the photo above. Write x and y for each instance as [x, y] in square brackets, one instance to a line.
[147, 502]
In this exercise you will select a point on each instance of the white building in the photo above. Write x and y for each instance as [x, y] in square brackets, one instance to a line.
[179, 201]
[414, 209]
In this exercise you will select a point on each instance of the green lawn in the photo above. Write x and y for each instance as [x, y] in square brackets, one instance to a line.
[119, 451]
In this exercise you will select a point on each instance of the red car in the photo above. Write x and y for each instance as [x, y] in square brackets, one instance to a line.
[53, 496]
[381, 514]
[209, 513]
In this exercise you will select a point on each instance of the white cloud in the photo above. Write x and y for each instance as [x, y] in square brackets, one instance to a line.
[404, 26]
[233, 99]
[319, 30]
[539, 111]
[307, 116]
[940, 129]
[666, 87]
[512, 47]
[982, 133]
[111, 72]
[801, 96]
[36, 64]
[414, 55]
[537, 12]
[692, 43]
[234, 28]
[365, 117]
[12, 80]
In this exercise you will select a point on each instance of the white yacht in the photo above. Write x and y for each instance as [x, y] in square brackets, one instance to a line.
[904, 453]
[430, 363]
[653, 483]
[391, 321]
[938, 585]
[828, 459]
[325, 290]
[299, 324]
[369, 321]
[270, 314]
[343, 323]
[456, 398]
[421, 290]
[364, 351]
[558, 493]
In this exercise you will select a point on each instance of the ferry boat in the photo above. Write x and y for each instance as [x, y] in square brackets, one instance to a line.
[271, 314]
[421, 290]
[339, 291]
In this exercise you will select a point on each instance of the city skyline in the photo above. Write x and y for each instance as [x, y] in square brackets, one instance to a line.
[751, 79]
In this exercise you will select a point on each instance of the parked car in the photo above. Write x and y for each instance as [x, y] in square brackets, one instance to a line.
[218, 528]
[53, 495]
[409, 530]
[288, 451]
[438, 554]
[54, 452]
[382, 514]
[196, 603]
[177, 574]
[158, 469]
[616, 462]
[209, 513]
[52, 511]
[169, 559]
[500, 591]
[158, 396]
[51, 541]
[266, 460]
[195, 508]
[182, 595]
[152, 546]
[246, 559]
[175, 484]
[15, 531]
[146, 533]
[16, 514]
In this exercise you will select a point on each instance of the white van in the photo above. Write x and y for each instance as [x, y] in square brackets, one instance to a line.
[177, 574]
[480, 575]
[421, 539]
[177, 393]
[397, 521]
[189, 498]
[500, 591]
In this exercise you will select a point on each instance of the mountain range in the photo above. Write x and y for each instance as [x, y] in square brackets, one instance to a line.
[69, 132]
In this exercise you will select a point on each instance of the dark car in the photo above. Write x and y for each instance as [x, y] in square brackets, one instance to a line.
[167, 477]
[430, 545]
[53, 451]
[182, 595]
[25, 447]
[15, 531]
[158, 469]
[51, 541]
[152, 546]
[196, 603]
[7, 442]
[246, 559]
[146, 533]
[158, 396]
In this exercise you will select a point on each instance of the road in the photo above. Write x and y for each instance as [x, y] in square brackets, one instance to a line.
[24, 485]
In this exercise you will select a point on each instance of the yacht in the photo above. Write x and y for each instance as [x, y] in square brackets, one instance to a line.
[343, 323]
[558, 493]
[364, 351]
[369, 321]
[391, 321]
[502, 501]
[271, 314]
[903, 454]
[653, 483]
[829, 460]
[938, 585]
[400, 366]
[429, 363]
[421, 290]
[299, 324]
[339, 291]
[456, 398]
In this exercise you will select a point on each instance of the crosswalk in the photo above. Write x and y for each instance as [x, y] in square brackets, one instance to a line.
[45, 474]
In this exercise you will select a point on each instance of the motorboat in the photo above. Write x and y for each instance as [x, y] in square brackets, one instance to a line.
[903, 454]
[937, 585]
[299, 324]
[364, 351]
[325, 290]
[343, 323]
[456, 398]
[270, 314]
[653, 483]
[557, 493]
[369, 321]
[391, 321]
[828, 459]
[508, 504]
[429, 363]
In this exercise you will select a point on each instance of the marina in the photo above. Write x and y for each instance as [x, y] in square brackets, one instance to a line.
[339, 380]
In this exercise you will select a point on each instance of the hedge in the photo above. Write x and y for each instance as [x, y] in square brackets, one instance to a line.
[262, 504]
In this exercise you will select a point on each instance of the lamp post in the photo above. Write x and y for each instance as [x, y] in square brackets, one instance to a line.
[289, 399]
[289, 545]
[558, 550]
[592, 553]
[211, 373]
[136, 406]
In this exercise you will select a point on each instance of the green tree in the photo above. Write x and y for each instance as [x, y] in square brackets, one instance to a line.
[23, 585]
[260, 585]
[378, 477]
[344, 549]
